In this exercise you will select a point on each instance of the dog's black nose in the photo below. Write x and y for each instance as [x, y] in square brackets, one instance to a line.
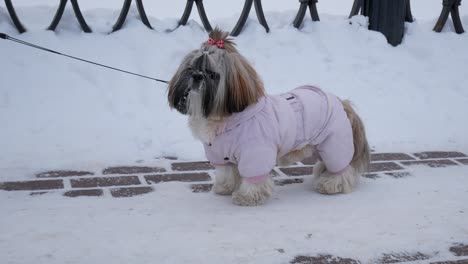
[198, 77]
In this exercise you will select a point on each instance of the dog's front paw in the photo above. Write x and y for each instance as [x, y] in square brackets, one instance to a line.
[227, 180]
[253, 194]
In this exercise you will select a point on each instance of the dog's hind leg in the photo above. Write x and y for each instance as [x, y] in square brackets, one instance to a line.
[330, 183]
[227, 179]
[337, 148]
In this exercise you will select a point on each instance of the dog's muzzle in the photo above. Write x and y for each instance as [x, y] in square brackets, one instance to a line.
[182, 104]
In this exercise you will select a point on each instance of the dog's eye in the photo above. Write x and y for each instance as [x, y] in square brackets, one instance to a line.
[197, 77]
[213, 75]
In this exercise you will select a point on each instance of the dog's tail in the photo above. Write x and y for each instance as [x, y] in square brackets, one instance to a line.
[361, 157]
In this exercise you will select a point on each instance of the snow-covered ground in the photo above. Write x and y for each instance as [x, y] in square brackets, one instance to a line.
[424, 213]
[61, 114]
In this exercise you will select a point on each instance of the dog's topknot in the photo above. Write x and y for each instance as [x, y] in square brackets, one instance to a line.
[217, 34]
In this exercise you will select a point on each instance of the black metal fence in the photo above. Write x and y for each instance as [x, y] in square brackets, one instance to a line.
[377, 10]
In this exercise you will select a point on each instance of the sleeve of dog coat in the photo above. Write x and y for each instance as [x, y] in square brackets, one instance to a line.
[255, 161]
[212, 157]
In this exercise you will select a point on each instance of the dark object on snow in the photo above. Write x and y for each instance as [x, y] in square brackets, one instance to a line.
[302, 10]
[385, 16]
[388, 17]
[450, 7]
[124, 12]
[14, 17]
[245, 14]
[363, 6]
[78, 14]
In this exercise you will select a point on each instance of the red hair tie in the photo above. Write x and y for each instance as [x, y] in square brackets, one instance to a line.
[219, 44]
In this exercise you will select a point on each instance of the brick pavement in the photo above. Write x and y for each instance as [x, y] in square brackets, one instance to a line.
[128, 181]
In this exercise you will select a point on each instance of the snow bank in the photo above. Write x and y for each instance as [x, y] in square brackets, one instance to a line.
[59, 113]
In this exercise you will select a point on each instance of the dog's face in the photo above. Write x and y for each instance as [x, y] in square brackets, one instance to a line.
[214, 81]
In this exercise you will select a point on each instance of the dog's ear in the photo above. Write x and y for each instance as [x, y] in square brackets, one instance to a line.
[243, 85]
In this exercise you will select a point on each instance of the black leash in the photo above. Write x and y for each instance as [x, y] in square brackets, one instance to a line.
[5, 36]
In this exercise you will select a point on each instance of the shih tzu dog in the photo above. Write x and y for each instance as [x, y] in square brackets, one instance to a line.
[246, 132]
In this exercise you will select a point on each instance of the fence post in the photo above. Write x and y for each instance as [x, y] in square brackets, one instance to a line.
[76, 10]
[245, 14]
[450, 7]
[124, 12]
[302, 10]
[201, 12]
[14, 17]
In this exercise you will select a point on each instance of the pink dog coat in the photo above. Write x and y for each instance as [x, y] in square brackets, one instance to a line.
[276, 125]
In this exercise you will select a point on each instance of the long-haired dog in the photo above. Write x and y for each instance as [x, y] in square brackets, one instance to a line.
[246, 132]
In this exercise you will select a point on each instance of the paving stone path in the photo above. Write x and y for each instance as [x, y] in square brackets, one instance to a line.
[128, 181]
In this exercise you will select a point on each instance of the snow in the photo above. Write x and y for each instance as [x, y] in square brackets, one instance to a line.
[61, 114]
[426, 212]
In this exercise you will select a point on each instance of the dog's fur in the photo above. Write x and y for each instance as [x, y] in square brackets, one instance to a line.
[212, 83]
